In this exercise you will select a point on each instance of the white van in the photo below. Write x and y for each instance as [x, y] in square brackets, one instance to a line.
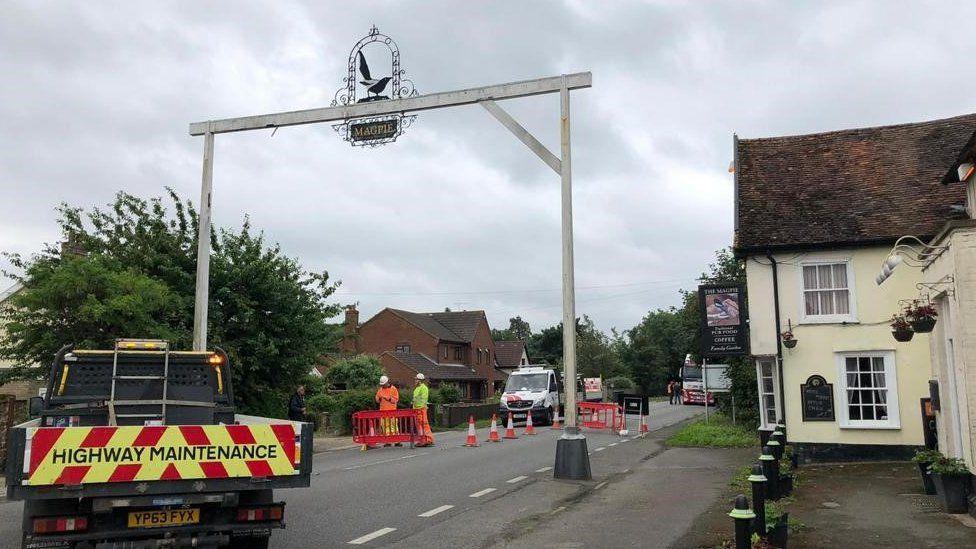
[530, 390]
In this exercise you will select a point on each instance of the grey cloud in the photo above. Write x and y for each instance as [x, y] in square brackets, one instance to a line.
[96, 97]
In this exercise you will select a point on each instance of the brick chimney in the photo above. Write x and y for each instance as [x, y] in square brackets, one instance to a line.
[350, 331]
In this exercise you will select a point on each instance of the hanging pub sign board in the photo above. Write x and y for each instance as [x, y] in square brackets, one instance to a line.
[725, 329]
[364, 83]
[817, 399]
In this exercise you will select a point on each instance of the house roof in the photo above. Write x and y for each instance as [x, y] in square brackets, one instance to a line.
[431, 369]
[848, 187]
[509, 353]
[459, 326]
[968, 154]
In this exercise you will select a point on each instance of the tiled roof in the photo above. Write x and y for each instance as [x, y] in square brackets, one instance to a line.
[509, 353]
[459, 326]
[968, 154]
[423, 364]
[848, 187]
[463, 323]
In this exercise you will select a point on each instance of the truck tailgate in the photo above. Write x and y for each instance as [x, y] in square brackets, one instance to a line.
[79, 457]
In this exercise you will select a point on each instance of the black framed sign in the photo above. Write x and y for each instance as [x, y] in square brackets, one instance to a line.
[817, 398]
[725, 328]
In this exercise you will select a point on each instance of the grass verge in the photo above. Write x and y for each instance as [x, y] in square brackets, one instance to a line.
[719, 432]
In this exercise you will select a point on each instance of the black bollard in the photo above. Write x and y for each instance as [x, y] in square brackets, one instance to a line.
[758, 481]
[770, 469]
[743, 518]
[775, 447]
[781, 427]
[764, 435]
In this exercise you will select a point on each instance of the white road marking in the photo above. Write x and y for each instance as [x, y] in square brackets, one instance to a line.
[370, 537]
[519, 478]
[408, 456]
[624, 440]
[436, 510]
[612, 444]
[558, 509]
[601, 485]
[600, 449]
[543, 470]
[482, 492]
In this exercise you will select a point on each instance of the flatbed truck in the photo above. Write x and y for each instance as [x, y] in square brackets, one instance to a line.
[139, 447]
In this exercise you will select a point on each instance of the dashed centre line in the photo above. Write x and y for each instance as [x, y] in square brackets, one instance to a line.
[435, 511]
[371, 536]
[600, 449]
[482, 492]
[612, 444]
[543, 470]
[601, 485]
[519, 478]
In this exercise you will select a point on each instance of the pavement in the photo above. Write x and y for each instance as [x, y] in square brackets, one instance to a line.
[498, 494]
[875, 505]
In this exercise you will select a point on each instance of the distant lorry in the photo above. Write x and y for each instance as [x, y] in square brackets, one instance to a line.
[692, 385]
[139, 447]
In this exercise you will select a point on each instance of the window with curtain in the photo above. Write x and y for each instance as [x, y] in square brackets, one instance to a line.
[827, 292]
[868, 391]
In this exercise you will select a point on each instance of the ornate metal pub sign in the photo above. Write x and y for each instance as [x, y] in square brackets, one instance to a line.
[373, 130]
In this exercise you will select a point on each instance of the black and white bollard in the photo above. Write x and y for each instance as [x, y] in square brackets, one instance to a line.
[743, 522]
[770, 469]
[758, 482]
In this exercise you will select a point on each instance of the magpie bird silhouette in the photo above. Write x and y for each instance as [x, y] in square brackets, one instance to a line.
[374, 86]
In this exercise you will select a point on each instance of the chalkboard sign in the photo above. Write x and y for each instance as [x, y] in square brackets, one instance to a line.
[818, 399]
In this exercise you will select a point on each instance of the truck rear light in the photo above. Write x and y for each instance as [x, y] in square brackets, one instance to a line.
[53, 525]
[257, 514]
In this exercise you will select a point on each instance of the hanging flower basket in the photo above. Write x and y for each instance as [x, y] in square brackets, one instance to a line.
[924, 324]
[789, 340]
[901, 329]
[921, 316]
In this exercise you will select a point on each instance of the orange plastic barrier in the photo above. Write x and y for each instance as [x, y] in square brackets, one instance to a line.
[601, 415]
[386, 426]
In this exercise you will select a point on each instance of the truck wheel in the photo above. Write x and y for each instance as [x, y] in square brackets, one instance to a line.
[252, 543]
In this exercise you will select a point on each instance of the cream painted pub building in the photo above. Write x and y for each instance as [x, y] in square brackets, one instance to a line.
[815, 218]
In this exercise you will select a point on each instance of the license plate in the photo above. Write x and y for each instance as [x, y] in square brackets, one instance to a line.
[160, 519]
[518, 416]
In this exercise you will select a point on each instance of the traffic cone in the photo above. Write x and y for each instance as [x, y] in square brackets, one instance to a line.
[472, 437]
[529, 429]
[493, 432]
[510, 429]
[643, 426]
[372, 433]
[555, 419]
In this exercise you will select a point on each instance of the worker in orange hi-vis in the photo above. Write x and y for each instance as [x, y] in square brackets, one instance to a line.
[387, 397]
[420, 396]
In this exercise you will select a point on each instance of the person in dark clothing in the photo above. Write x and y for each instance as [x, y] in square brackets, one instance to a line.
[296, 406]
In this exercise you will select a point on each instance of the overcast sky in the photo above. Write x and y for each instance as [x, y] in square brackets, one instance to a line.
[95, 97]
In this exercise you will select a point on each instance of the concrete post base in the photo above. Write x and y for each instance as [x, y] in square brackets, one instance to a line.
[572, 459]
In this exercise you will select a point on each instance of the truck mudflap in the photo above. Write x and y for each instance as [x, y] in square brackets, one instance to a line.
[70, 456]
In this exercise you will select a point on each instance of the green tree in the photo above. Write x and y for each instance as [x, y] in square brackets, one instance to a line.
[266, 311]
[81, 301]
[519, 329]
[357, 372]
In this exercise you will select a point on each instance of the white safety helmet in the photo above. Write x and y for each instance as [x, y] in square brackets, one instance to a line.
[384, 380]
[420, 377]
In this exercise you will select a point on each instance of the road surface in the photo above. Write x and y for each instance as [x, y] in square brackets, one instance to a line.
[431, 497]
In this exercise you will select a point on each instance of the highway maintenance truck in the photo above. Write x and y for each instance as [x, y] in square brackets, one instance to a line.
[139, 447]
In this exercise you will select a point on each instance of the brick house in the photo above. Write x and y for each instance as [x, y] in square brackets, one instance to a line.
[450, 346]
[511, 354]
